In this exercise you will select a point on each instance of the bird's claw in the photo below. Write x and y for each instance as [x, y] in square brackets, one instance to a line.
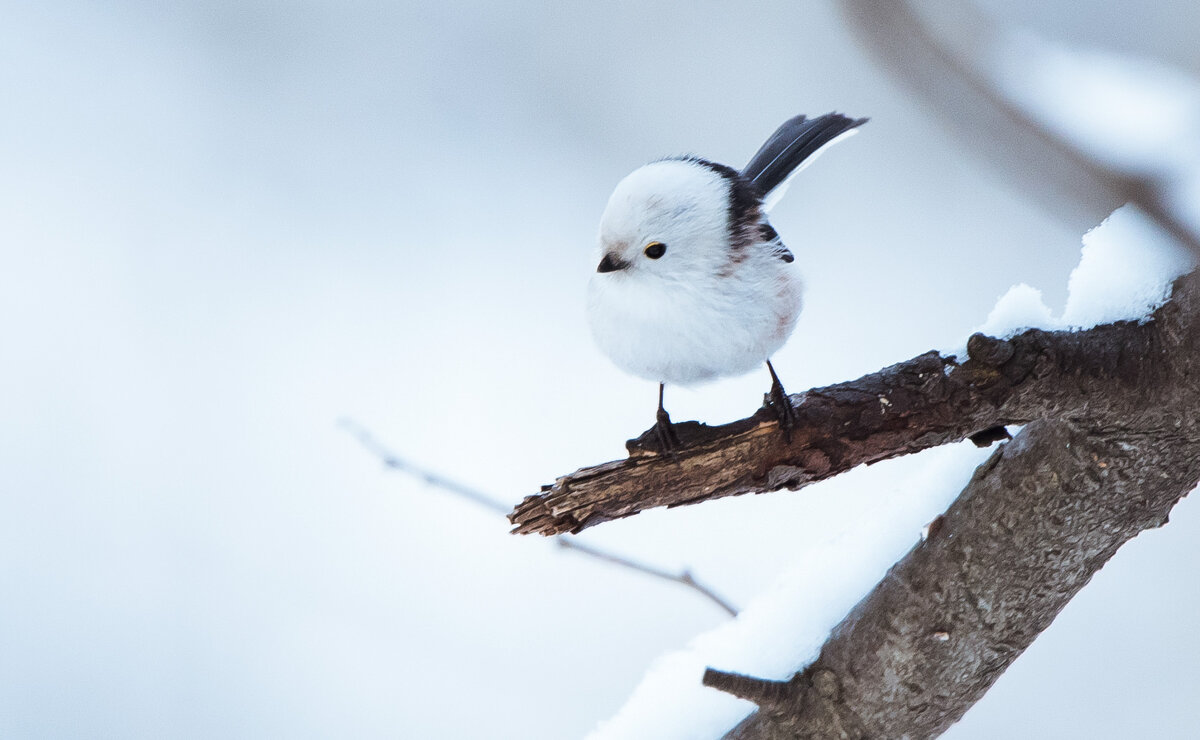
[664, 430]
[777, 400]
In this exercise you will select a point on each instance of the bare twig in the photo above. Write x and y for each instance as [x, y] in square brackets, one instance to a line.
[479, 498]
[397, 463]
[685, 577]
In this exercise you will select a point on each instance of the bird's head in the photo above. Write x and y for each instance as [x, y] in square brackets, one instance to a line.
[668, 220]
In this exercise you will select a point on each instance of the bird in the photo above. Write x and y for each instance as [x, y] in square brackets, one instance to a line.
[693, 283]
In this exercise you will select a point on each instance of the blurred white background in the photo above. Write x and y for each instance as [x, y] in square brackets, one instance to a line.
[226, 225]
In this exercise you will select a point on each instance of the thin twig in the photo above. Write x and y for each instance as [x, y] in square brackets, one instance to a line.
[394, 462]
[685, 577]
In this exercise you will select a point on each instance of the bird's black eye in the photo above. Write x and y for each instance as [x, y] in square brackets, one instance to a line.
[654, 250]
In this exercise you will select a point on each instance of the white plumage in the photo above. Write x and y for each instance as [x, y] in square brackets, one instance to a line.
[693, 282]
[702, 310]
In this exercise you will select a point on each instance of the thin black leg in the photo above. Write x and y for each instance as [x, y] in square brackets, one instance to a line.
[781, 405]
[663, 428]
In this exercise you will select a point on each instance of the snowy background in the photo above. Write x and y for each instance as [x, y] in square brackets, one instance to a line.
[225, 226]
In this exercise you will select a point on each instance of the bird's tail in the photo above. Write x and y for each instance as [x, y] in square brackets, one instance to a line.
[793, 146]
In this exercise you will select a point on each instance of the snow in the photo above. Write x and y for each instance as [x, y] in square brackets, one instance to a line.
[1020, 308]
[1125, 272]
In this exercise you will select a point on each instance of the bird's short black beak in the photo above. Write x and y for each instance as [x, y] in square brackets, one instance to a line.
[611, 264]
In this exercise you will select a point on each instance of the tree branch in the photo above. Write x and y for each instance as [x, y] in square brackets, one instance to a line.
[684, 577]
[927, 401]
[394, 462]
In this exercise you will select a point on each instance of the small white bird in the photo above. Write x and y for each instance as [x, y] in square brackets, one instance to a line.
[693, 282]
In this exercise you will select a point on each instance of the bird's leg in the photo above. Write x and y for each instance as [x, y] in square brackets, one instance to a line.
[779, 402]
[663, 428]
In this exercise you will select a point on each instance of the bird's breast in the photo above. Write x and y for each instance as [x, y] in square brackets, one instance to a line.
[690, 332]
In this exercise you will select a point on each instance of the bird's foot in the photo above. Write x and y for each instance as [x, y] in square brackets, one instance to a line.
[777, 400]
[668, 438]
[664, 430]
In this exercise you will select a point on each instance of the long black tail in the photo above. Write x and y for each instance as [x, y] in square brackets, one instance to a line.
[795, 141]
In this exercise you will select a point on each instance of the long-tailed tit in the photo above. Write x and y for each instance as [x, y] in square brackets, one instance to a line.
[693, 282]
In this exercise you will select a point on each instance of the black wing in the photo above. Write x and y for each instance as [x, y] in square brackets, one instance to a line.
[795, 141]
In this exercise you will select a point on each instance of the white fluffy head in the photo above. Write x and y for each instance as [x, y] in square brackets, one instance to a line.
[680, 204]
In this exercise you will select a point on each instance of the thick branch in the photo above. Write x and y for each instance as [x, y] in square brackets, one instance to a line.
[1037, 520]
[927, 401]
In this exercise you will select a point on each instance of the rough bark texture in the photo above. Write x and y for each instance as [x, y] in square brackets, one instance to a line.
[927, 401]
